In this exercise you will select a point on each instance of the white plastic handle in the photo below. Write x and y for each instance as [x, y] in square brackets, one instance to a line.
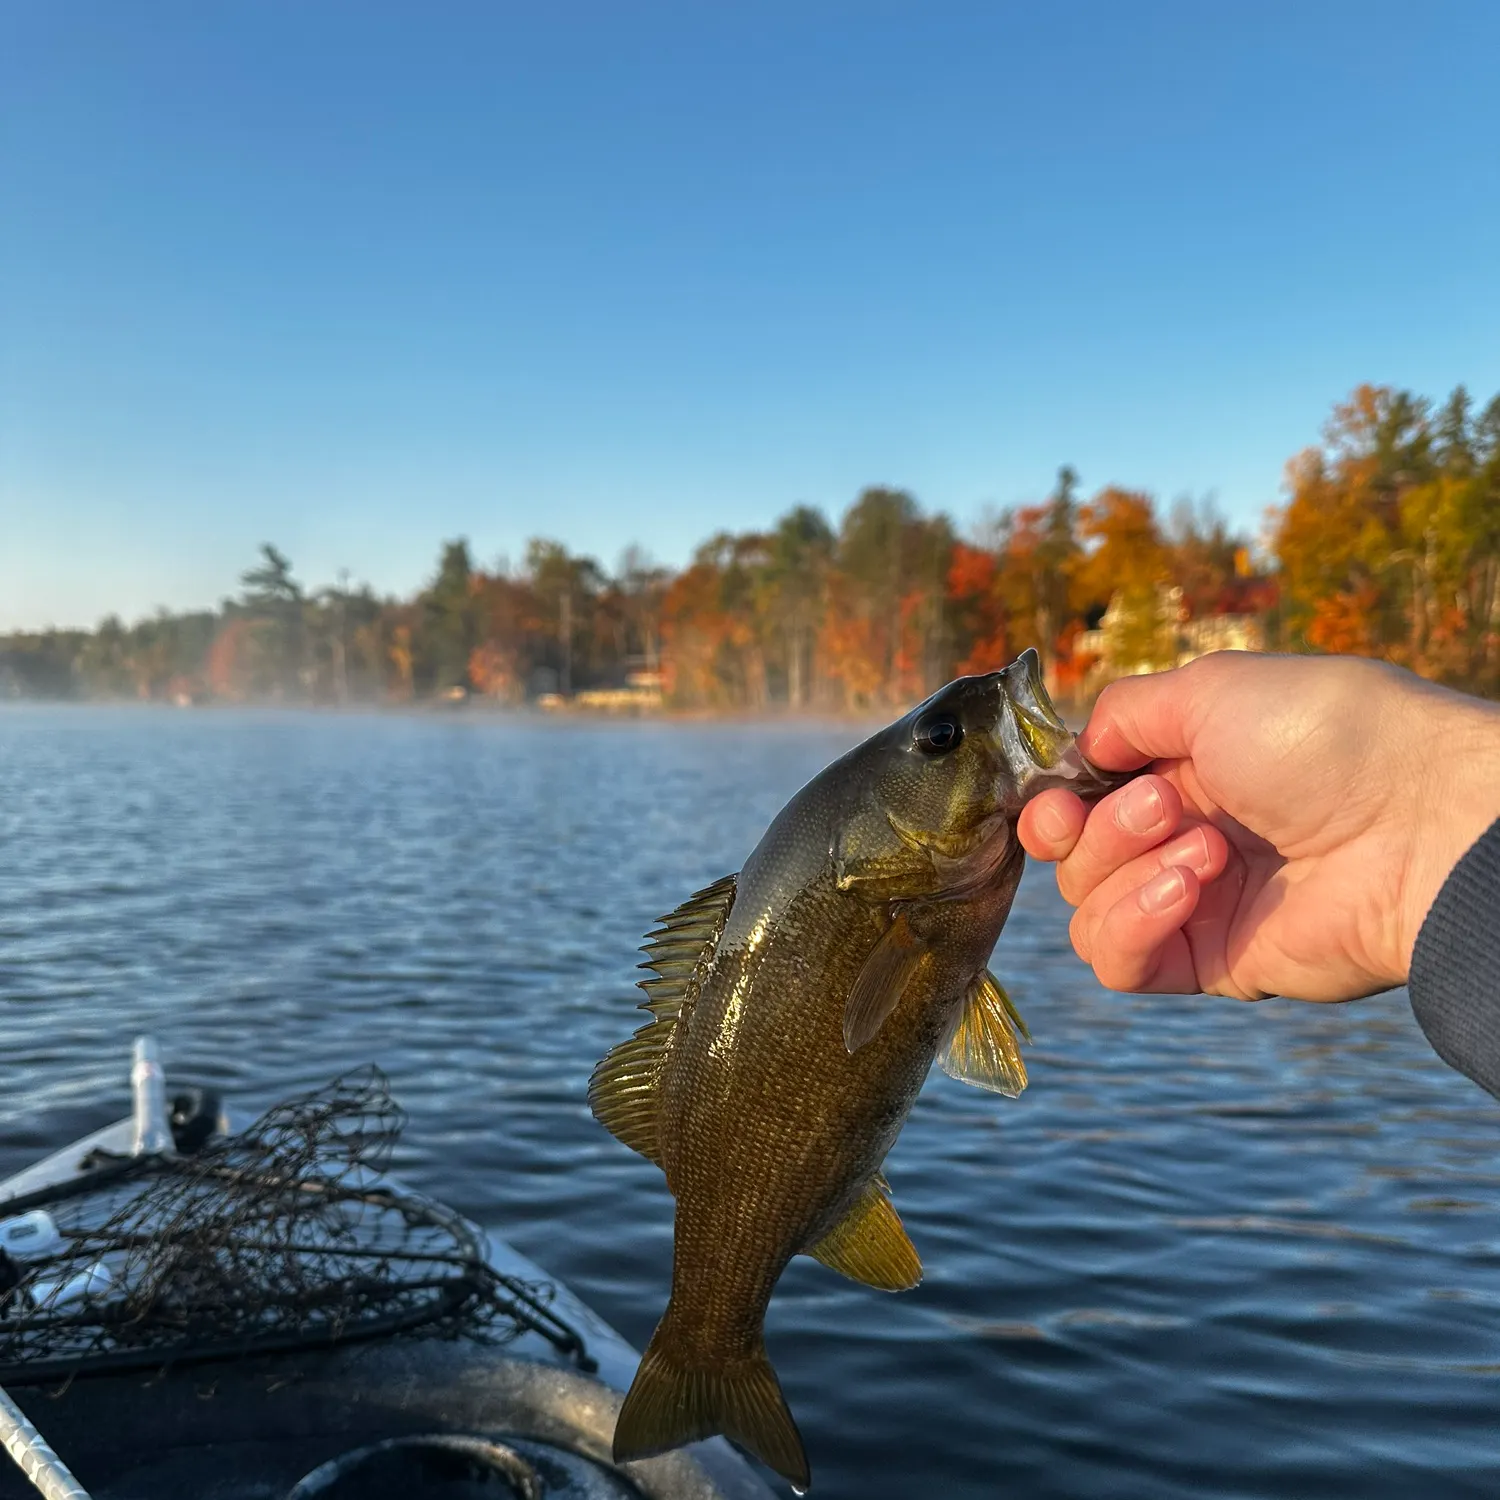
[148, 1083]
[34, 1456]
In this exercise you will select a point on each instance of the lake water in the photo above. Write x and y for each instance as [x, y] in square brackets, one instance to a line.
[1216, 1249]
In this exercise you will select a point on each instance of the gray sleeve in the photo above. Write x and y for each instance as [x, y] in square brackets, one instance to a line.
[1455, 966]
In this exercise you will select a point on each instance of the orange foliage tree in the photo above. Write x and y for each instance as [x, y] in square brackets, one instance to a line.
[1389, 543]
[225, 672]
[978, 613]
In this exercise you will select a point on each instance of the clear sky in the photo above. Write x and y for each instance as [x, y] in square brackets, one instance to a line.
[355, 278]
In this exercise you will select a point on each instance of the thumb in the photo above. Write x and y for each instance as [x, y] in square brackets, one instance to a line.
[1141, 719]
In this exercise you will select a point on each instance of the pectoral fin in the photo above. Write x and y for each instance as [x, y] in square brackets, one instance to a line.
[983, 1048]
[870, 1245]
[881, 982]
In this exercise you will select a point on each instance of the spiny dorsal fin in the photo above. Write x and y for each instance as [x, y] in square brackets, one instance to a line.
[703, 913]
[881, 982]
[623, 1088]
[984, 1049]
[869, 1244]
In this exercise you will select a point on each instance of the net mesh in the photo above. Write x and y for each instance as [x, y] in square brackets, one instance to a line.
[280, 1237]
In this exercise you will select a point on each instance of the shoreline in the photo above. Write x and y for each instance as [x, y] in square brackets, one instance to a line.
[521, 714]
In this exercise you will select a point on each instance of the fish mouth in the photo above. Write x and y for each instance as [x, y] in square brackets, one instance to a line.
[1042, 750]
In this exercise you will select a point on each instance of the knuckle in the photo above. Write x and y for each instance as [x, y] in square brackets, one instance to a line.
[1115, 974]
[1083, 875]
[1121, 962]
[1078, 935]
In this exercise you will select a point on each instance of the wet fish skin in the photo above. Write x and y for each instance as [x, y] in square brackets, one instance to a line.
[799, 1008]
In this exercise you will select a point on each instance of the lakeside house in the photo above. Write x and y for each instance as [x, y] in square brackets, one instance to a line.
[641, 694]
[1147, 631]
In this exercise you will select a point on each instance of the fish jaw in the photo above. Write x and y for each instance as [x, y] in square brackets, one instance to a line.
[1042, 751]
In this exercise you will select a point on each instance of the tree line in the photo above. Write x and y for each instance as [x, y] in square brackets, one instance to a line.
[1388, 544]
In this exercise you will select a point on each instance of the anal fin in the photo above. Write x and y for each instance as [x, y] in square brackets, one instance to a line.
[870, 1244]
[984, 1047]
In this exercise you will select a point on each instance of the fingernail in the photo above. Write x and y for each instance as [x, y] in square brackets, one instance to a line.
[1051, 823]
[1195, 853]
[1162, 892]
[1139, 809]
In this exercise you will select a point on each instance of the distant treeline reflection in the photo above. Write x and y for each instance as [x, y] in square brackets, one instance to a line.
[1388, 545]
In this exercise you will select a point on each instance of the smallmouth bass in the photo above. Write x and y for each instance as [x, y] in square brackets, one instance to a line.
[797, 1008]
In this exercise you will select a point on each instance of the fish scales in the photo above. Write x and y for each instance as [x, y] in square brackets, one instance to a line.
[799, 1006]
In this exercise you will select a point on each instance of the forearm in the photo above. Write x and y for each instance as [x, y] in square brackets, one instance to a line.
[1455, 968]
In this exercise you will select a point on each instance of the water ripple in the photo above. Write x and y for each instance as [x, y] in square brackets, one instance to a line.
[1246, 1251]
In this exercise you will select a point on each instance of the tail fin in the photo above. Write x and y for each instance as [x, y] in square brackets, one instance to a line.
[671, 1403]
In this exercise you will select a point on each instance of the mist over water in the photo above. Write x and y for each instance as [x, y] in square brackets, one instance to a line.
[1216, 1249]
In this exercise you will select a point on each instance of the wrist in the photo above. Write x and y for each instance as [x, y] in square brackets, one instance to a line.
[1450, 806]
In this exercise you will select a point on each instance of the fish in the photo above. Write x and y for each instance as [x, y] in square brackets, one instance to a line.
[796, 1009]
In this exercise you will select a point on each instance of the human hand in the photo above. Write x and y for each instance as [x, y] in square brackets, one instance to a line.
[1299, 818]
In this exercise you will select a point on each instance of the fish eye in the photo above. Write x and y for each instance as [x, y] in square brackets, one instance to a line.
[939, 734]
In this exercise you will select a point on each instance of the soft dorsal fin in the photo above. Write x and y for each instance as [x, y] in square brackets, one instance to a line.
[623, 1088]
[983, 1048]
[881, 982]
[869, 1244]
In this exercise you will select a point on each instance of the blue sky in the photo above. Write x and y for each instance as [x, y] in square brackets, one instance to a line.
[356, 278]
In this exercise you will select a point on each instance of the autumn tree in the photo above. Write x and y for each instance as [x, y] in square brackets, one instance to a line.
[272, 601]
[1055, 558]
[1124, 565]
[708, 628]
[800, 553]
[1206, 556]
[1037, 552]
[1389, 543]
[641, 585]
[884, 634]
[104, 662]
[977, 614]
[565, 590]
[350, 662]
[1450, 530]
[508, 620]
[1021, 573]
[449, 617]
[1338, 538]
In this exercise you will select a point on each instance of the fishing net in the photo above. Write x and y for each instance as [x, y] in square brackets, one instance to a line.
[280, 1237]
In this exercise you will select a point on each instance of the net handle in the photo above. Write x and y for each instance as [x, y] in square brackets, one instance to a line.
[33, 1454]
